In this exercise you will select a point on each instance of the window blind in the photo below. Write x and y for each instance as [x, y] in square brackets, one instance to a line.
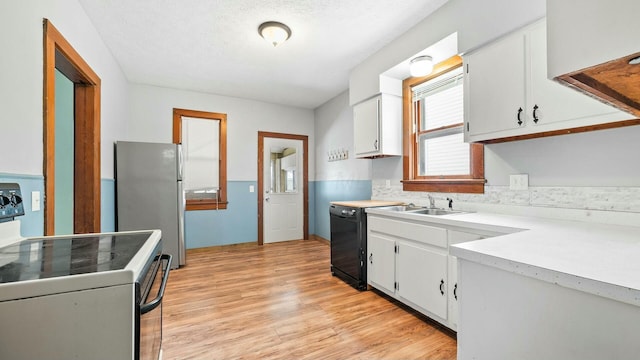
[440, 83]
[442, 151]
[445, 155]
[201, 154]
[442, 100]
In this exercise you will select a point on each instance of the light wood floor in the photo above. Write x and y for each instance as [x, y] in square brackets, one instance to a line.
[279, 301]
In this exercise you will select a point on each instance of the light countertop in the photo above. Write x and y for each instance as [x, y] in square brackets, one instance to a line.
[602, 259]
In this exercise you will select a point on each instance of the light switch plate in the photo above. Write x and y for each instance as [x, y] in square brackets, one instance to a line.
[251, 188]
[35, 201]
[519, 182]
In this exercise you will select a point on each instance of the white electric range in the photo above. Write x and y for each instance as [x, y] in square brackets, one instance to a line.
[88, 296]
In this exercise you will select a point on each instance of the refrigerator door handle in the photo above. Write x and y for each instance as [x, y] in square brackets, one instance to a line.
[181, 240]
[180, 161]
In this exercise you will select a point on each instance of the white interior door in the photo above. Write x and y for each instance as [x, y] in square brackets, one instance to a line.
[283, 190]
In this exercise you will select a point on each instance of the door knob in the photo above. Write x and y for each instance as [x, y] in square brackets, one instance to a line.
[266, 199]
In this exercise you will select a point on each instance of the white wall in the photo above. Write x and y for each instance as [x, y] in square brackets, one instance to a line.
[151, 113]
[21, 80]
[334, 130]
[476, 22]
[599, 158]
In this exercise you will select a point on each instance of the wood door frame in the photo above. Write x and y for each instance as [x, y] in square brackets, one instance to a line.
[305, 180]
[59, 54]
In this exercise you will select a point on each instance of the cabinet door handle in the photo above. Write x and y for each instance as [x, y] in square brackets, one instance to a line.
[535, 113]
[442, 287]
[519, 119]
[371, 258]
[455, 291]
[375, 144]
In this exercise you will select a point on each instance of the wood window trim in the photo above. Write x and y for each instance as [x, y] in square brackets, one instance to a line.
[206, 204]
[472, 183]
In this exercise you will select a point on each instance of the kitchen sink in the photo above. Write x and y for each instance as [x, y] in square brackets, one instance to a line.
[401, 208]
[431, 211]
[420, 210]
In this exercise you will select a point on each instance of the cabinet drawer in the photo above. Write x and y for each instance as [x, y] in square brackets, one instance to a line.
[408, 230]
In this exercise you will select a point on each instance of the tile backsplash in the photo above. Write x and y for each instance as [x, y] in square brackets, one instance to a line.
[620, 199]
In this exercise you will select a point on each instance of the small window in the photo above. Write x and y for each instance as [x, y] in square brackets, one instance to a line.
[442, 150]
[201, 157]
[204, 147]
[436, 156]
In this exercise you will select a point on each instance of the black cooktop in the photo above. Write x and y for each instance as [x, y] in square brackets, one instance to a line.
[40, 258]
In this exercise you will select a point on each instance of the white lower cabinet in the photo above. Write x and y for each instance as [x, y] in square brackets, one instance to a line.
[409, 260]
[422, 277]
[452, 303]
[456, 237]
[382, 262]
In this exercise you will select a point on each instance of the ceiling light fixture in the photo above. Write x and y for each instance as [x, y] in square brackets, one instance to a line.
[274, 32]
[421, 66]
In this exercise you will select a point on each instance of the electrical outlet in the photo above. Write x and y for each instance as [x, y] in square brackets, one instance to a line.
[519, 182]
[388, 184]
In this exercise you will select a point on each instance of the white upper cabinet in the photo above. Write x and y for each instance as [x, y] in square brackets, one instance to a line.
[377, 127]
[592, 48]
[507, 92]
[557, 103]
[494, 89]
[590, 32]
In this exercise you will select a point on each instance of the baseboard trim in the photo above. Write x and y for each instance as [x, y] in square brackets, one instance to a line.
[221, 247]
[318, 238]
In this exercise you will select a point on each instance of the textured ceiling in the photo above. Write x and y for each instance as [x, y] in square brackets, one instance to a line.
[213, 46]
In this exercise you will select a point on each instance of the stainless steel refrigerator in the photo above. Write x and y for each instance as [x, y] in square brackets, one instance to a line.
[149, 192]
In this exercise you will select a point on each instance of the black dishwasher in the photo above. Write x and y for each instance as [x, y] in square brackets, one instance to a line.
[349, 244]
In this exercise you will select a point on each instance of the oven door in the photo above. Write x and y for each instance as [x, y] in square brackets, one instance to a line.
[149, 309]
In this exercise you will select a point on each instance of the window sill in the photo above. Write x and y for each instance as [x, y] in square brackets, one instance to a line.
[205, 205]
[468, 186]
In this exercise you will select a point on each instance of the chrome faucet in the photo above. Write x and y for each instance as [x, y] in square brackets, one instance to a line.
[432, 201]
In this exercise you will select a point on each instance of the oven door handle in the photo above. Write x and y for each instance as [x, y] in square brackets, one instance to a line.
[155, 302]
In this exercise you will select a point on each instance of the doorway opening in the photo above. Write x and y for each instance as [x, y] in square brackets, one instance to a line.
[286, 186]
[61, 56]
